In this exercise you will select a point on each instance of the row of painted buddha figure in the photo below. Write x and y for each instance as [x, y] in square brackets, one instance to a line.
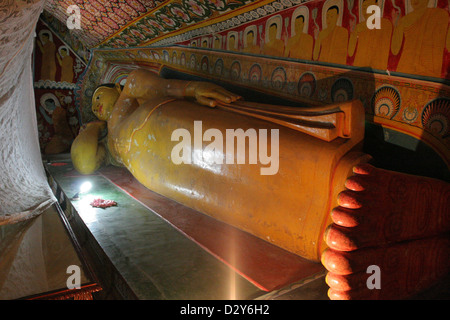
[418, 40]
[50, 56]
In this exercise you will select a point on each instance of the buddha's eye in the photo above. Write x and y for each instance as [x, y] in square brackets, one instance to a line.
[98, 98]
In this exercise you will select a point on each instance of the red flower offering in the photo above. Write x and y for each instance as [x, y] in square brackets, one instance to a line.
[100, 203]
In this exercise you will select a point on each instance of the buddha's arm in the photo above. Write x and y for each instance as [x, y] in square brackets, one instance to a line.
[317, 46]
[397, 38]
[354, 38]
[40, 45]
[352, 43]
[287, 50]
[144, 85]
[204, 92]
[87, 155]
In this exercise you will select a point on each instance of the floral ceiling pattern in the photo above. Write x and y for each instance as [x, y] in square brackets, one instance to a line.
[131, 23]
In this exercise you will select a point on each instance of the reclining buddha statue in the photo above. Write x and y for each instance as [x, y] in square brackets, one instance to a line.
[275, 172]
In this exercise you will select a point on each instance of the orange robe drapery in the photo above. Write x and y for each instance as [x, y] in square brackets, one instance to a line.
[373, 47]
[334, 46]
[48, 66]
[424, 43]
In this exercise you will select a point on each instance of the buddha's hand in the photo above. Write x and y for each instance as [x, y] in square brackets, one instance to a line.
[100, 125]
[208, 94]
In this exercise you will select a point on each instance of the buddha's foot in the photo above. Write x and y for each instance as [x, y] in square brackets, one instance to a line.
[396, 271]
[396, 222]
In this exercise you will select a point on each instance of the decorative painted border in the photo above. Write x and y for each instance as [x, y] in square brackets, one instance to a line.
[285, 78]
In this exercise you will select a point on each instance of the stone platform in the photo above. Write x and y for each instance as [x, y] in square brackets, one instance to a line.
[150, 247]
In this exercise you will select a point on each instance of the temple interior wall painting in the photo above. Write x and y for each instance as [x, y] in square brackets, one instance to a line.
[332, 31]
[336, 32]
[285, 58]
[313, 53]
[56, 71]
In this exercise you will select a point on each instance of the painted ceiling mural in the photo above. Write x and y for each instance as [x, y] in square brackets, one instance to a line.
[229, 25]
[122, 23]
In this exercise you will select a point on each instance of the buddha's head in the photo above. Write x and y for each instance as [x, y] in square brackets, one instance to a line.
[273, 31]
[103, 100]
[63, 52]
[50, 105]
[299, 24]
[45, 37]
[216, 43]
[365, 5]
[332, 16]
[419, 4]
[231, 42]
[250, 38]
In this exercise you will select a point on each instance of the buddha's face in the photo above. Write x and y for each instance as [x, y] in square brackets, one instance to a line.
[272, 32]
[103, 102]
[365, 5]
[231, 43]
[332, 17]
[419, 4]
[50, 105]
[45, 38]
[216, 44]
[299, 24]
[250, 39]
